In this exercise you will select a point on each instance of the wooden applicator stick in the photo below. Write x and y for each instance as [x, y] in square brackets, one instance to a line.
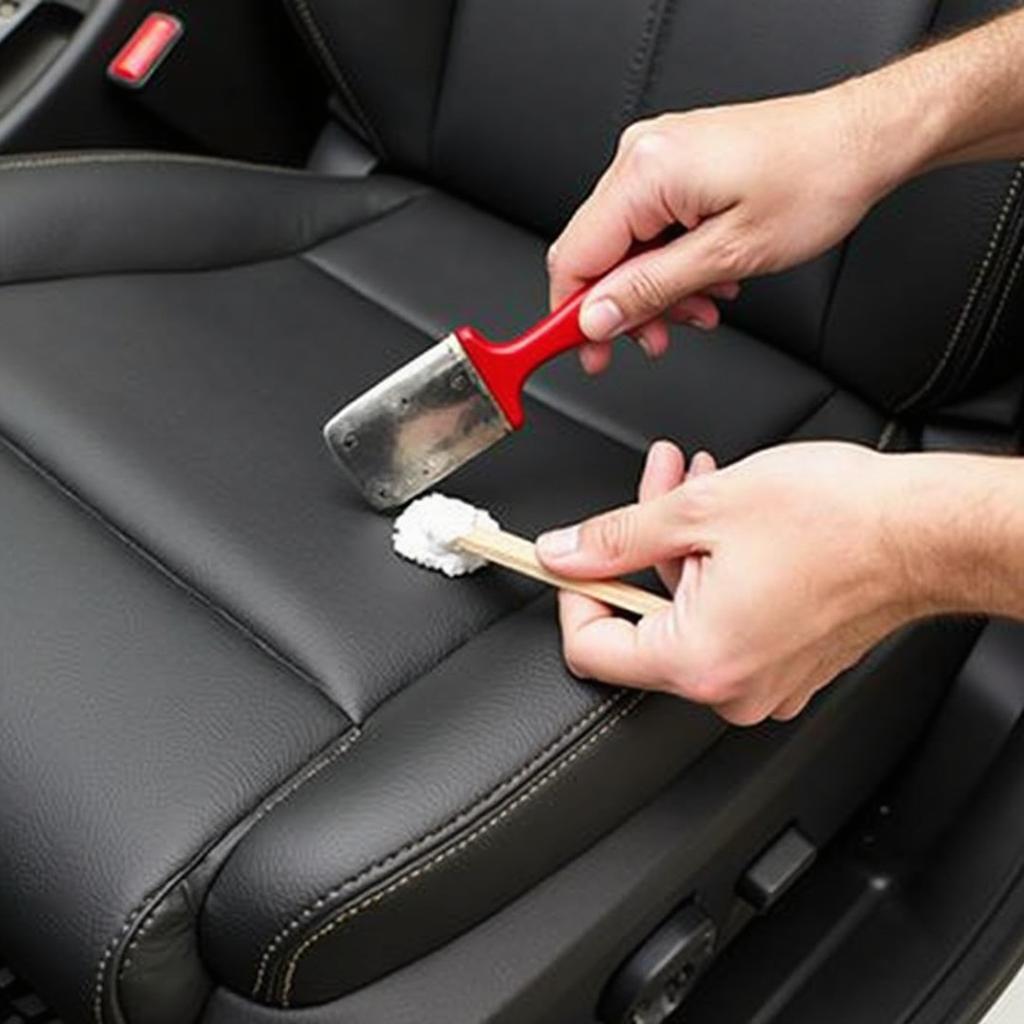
[519, 555]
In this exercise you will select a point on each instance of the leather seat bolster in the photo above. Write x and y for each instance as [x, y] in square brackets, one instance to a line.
[426, 826]
[66, 214]
[98, 820]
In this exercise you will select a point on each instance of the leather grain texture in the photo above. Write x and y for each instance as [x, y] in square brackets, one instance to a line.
[530, 757]
[183, 406]
[533, 99]
[70, 214]
[239, 742]
[136, 725]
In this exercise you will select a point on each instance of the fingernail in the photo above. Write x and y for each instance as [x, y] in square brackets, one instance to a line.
[602, 319]
[647, 347]
[701, 325]
[559, 543]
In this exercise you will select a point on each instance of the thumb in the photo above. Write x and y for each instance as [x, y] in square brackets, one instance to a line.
[624, 540]
[646, 286]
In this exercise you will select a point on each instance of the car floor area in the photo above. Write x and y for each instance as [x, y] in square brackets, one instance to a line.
[19, 1004]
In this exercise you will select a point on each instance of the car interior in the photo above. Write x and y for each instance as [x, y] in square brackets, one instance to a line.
[256, 770]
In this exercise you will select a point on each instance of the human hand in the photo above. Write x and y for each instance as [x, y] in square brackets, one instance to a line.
[760, 187]
[786, 569]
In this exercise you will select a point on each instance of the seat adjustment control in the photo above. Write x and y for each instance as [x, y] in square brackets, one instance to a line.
[774, 873]
[651, 985]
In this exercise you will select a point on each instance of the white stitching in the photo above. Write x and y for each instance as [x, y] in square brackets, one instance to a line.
[411, 848]
[344, 745]
[404, 880]
[338, 747]
[973, 292]
[108, 952]
[1001, 307]
[424, 840]
[140, 933]
[335, 751]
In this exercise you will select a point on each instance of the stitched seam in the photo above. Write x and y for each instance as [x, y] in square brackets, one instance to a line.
[108, 952]
[433, 143]
[667, 13]
[141, 157]
[335, 749]
[140, 934]
[997, 315]
[151, 559]
[319, 41]
[215, 268]
[639, 69]
[402, 683]
[887, 435]
[310, 258]
[407, 879]
[333, 753]
[418, 844]
[830, 300]
[973, 293]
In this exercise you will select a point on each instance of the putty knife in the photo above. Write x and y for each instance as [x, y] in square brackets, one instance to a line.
[437, 412]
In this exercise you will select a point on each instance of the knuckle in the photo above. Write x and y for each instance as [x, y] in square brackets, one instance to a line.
[707, 675]
[613, 534]
[743, 714]
[646, 151]
[695, 499]
[631, 133]
[647, 291]
[708, 687]
[573, 657]
[788, 712]
[733, 255]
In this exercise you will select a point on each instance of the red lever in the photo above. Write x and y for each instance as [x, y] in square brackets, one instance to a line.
[505, 367]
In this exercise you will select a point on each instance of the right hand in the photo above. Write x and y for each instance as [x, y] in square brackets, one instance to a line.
[786, 568]
[760, 187]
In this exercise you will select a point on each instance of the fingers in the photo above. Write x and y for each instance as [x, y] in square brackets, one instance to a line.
[703, 463]
[625, 540]
[793, 706]
[596, 357]
[689, 572]
[646, 286]
[696, 311]
[653, 336]
[601, 233]
[664, 470]
[728, 290]
[752, 709]
[745, 712]
[600, 645]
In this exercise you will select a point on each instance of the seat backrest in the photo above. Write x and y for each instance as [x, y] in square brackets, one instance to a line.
[518, 106]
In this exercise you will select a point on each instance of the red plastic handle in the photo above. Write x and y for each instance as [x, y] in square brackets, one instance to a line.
[506, 367]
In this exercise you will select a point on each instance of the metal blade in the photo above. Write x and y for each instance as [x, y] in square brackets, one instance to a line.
[415, 427]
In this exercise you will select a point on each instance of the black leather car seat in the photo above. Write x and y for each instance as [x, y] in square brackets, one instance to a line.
[250, 761]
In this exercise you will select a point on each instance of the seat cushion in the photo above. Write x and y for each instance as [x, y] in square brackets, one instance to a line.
[226, 709]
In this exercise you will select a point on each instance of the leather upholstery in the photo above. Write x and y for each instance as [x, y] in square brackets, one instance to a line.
[181, 407]
[249, 747]
[531, 100]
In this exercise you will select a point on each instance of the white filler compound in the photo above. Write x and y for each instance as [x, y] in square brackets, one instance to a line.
[427, 532]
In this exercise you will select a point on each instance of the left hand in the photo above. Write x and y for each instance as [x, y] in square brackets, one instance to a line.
[786, 569]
